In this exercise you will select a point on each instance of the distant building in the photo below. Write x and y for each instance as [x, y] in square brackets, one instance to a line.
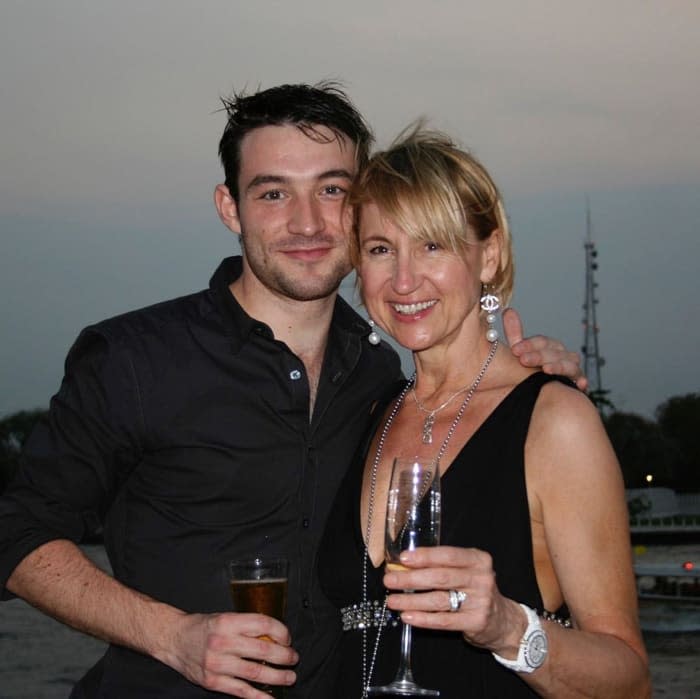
[661, 502]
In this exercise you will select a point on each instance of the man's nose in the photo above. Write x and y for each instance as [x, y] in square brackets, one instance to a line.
[307, 217]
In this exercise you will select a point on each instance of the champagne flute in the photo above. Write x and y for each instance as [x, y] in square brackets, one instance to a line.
[412, 520]
[260, 585]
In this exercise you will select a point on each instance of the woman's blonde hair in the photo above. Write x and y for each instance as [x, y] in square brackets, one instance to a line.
[434, 191]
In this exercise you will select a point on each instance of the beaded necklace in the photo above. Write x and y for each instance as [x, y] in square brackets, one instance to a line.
[367, 675]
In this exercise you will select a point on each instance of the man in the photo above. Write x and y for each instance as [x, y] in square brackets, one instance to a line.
[214, 426]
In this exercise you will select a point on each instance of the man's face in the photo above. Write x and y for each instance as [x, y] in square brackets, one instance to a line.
[293, 224]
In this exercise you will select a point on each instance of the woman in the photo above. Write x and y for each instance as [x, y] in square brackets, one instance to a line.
[534, 517]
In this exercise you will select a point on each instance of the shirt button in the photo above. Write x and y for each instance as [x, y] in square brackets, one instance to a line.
[305, 523]
[305, 603]
[295, 374]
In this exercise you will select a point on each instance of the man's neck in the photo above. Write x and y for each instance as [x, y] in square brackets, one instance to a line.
[302, 325]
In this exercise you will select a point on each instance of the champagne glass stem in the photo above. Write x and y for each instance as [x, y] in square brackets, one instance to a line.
[404, 673]
[403, 685]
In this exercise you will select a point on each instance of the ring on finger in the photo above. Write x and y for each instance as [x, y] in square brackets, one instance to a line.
[456, 599]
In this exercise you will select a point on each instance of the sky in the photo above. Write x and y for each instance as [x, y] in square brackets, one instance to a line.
[110, 126]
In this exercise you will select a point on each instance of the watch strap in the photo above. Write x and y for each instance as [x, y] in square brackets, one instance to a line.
[534, 633]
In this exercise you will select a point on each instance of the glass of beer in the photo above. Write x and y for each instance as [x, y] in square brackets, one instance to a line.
[259, 585]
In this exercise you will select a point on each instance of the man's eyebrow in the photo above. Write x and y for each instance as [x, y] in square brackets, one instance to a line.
[265, 179]
[336, 173]
[260, 180]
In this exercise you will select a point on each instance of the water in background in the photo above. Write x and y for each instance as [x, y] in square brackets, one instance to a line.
[39, 657]
[42, 659]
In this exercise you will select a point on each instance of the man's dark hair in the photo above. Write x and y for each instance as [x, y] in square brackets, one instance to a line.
[305, 106]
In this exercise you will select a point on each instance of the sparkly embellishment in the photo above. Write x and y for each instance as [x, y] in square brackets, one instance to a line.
[562, 621]
[428, 428]
[456, 599]
[371, 614]
[490, 303]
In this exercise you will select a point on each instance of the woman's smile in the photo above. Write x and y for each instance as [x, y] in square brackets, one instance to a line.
[410, 309]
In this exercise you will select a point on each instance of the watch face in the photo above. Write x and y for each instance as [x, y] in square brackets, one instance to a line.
[536, 648]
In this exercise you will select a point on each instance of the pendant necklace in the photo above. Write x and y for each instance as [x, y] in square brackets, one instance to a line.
[430, 414]
[367, 673]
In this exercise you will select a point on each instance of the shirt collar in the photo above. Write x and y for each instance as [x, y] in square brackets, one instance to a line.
[239, 325]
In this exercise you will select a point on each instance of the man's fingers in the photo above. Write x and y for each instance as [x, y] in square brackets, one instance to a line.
[552, 357]
[264, 674]
[254, 625]
[569, 368]
[250, 681]
[512, 326]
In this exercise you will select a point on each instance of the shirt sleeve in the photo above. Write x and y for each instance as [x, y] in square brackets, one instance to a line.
[74, 461]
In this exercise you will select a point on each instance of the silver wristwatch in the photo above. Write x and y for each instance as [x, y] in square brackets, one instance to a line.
[533, 646]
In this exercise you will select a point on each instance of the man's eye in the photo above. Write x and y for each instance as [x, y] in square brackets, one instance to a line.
[333, 189]
[272, 195]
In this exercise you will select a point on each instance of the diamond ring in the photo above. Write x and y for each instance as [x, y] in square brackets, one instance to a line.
[456, 599]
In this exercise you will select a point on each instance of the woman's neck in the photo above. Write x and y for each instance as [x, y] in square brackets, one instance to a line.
[444, 370]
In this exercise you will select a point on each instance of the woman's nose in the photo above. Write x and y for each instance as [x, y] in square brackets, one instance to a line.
[406, 274]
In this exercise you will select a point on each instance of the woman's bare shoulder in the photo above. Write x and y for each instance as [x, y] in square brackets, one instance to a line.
[567, 439]
[561, 408]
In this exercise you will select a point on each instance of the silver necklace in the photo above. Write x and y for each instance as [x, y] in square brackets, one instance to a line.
[367, 675]
[430, 414]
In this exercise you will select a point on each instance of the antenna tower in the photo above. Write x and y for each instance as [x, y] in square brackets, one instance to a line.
[592, 361]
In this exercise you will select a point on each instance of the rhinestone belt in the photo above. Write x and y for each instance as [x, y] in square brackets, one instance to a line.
[365, 615]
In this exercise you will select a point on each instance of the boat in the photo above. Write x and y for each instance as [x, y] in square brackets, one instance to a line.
[669, 596]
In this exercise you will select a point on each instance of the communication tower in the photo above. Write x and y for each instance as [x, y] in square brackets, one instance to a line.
[592, 361]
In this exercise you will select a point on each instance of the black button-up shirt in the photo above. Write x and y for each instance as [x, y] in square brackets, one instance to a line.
[185, 427]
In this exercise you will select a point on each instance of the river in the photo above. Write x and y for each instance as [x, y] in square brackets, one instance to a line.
[42, 659]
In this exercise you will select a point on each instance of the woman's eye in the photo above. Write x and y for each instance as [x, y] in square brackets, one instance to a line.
[378, 250]
[333, 189]
[431, 246]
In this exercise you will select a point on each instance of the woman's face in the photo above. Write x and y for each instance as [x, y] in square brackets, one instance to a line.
[422, 295]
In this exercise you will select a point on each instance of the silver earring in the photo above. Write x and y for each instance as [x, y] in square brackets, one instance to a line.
[490, 303]
[373, 338]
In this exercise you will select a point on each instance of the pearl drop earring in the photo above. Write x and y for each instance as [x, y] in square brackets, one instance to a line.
[490, 303]
[373, 338]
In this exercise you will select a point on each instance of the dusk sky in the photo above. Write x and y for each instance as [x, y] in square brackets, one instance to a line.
[110, 128]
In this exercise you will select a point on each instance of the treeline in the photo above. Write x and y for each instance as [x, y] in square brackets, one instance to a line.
[667, 449]
[14, 430]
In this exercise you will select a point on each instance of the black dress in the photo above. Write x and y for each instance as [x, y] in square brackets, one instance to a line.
[484, 505]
